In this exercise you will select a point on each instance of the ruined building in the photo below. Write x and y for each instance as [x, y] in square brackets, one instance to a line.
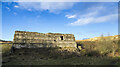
[23, 39]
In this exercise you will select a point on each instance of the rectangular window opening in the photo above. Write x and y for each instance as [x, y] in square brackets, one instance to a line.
[61, 37]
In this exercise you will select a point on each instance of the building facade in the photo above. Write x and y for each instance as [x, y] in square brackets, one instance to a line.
[23, 39]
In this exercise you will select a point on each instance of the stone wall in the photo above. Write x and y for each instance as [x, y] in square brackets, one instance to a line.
[36, 40]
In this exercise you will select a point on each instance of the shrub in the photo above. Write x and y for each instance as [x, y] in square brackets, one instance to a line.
[94, 53]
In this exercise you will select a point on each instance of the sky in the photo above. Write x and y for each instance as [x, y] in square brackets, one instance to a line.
[83, 19]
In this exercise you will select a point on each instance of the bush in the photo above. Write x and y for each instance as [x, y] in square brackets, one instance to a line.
[118, 50]
[94, 53]
[6, 48]
[83, 52]
[105, 45]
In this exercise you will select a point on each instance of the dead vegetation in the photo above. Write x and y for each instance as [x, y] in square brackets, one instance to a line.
[101, 52]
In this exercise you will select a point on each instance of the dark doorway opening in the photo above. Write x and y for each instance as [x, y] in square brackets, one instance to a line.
[61, 37]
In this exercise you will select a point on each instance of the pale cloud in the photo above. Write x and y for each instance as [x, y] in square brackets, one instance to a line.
[93, 11]
[91, 14]
[52, 7]
[94, 15]
[101, 19]
[8, 8]
[15, 13]
[96, 8]
[29, 9]
[70, 16]
[16, 6]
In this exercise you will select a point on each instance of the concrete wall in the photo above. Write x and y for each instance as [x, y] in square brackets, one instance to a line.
[34, 40]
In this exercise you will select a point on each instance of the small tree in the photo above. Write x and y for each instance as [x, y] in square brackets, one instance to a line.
[102, 37]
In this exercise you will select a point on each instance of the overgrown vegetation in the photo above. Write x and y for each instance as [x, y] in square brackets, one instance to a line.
[100, 52]
[51, 56]
[103, 46]
[6, 48]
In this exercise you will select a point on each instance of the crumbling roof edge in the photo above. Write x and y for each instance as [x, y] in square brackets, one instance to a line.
[42, 33]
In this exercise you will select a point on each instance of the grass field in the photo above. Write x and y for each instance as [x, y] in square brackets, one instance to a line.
[48, 56]
[6, 48]
[102, 52]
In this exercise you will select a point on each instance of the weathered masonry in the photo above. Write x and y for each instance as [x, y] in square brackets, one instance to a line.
[23, 39]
